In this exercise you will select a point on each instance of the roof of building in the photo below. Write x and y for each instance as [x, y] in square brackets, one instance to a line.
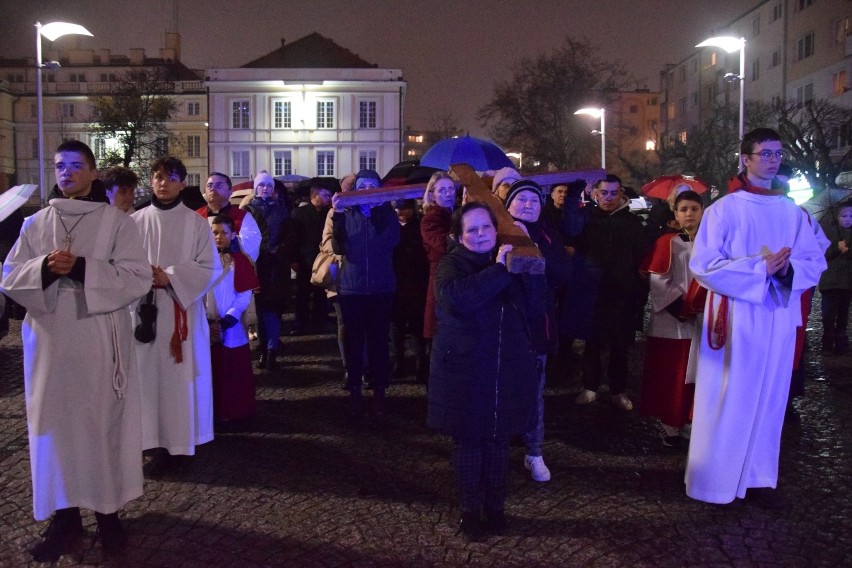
[311, 51]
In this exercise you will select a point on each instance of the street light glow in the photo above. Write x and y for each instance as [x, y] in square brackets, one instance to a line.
[55, 30]
[728, 43]
[51, 31]
[597, 113]
[732, 44]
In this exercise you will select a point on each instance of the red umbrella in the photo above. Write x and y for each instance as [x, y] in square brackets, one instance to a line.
[663, 186]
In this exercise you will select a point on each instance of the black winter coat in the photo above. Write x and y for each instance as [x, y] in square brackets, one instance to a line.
[484, 379]
[367, 245]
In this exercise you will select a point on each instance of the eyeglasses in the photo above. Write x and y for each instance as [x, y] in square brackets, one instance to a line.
[767, 155]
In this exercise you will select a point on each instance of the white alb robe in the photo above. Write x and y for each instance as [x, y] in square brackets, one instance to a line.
[84, 432]
[177, 398]
[741, 389]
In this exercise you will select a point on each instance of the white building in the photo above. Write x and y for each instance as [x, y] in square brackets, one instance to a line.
[67, 107]
[310, 108]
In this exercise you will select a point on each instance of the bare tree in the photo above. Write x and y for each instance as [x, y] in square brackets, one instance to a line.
[812, 134]
[443, 123]
[135, 113]
[534, 110]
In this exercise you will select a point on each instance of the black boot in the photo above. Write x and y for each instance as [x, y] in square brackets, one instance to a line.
[111, 532]
[271, 361]
[63, 533]
[471, 527]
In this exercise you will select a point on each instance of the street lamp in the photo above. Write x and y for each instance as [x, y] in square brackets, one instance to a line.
[598, 113]
[732, 44]
[51, 31]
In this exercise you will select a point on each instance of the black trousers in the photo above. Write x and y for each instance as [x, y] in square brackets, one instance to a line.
[482, 467]
[366, 319]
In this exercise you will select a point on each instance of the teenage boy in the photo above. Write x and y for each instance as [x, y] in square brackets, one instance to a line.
[76, 267]
[756, 253]
[177, 392]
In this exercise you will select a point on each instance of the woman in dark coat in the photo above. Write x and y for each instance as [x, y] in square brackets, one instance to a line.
[270, 211]
[483, 375]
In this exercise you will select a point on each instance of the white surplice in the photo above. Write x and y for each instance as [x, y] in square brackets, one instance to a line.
[82, 390]
[177, 398]
[741, 389]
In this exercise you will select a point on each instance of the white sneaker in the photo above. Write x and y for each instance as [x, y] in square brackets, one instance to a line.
[622, 402]
[586, 396]
[538, 471]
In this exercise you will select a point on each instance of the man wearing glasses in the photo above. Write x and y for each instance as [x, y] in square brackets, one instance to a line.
[756, 253]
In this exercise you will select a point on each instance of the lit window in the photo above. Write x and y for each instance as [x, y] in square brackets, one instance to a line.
[325, 114]
[240, 112]
[367, 114]
[193, 108]
[282, 163]
[240, 163]
[650, 145]
[325, 163]
[282, 115]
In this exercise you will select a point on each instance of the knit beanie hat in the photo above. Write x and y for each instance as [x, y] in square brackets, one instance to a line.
[263, 177]
[504, 174]
[524, 185]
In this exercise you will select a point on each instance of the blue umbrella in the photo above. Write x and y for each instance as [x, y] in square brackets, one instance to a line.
[479, 154]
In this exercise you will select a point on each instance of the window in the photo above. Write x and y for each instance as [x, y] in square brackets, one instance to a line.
[755, 26]
[193, 179]
[804, 94]
[367, 114]
[193, 146]
[99, 148]
[777, 11]
[802, 4]
[755, 70]
[35, 149]
[33, 110]
[681, 75]
[67, 110]
[634, 109]
[94, 111]
[105, 77]
[240, 163]
[775, 101]
[77, 77]
[325, 163]
[805, 46]
[161, 146]
[282, 163]
[712, 58]
[367, 160]
[411, 153]
[193, 108]
[839, 30]
[325, 115]
[710, 92]
[282, 115]
[682, 136]
[695, 98]
[776, 58]
[652, 101]
[670, 112]
[838, 82]
[240, 114]
[415, 138]
[682, 106]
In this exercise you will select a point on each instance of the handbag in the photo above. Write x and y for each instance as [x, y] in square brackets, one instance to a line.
[326, 270]
[146, 329]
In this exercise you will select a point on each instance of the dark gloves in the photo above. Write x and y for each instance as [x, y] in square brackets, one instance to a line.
[227, 322]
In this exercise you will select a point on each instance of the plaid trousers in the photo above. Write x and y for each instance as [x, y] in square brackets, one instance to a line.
[481, 472]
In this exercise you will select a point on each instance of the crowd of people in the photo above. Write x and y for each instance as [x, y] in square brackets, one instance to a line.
[162, 297]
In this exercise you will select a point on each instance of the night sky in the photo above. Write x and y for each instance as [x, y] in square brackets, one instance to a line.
[451, 52]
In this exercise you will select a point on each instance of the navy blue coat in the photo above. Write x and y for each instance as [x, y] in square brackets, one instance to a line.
[367, 245]
[484, 379]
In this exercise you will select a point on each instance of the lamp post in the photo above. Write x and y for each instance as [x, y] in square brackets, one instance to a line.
[597, 113]
[732, 44]
[51, 31]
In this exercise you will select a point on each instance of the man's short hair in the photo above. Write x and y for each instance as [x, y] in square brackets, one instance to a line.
[226, 176]
[610, 178]
[80, 148]
[755, 137]
[223, 219]
[169, 164]
[119, 176]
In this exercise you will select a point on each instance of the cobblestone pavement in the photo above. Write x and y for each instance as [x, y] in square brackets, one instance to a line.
[302, 487]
